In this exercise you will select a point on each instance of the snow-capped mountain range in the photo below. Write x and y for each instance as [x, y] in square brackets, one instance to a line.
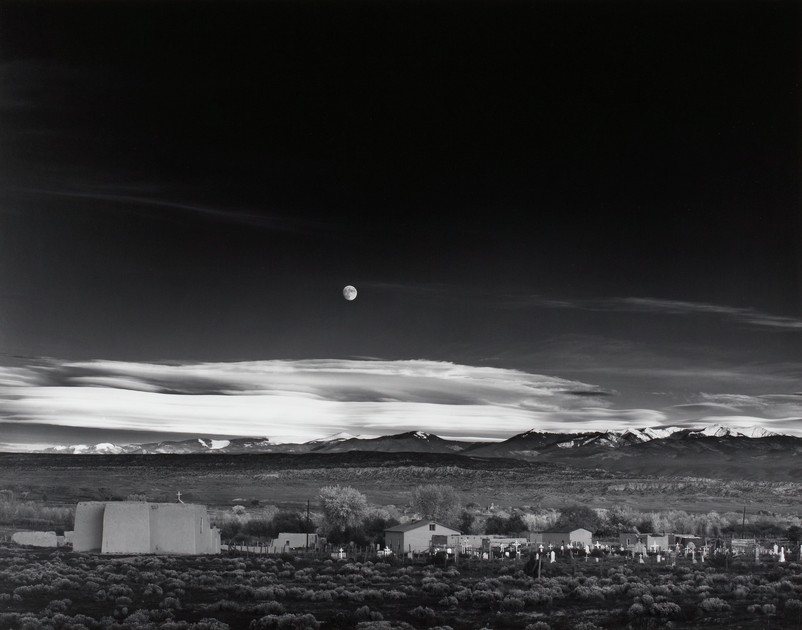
[528, 444]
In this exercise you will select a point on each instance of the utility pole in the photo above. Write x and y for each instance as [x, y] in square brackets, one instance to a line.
[307, 525]
[743, 523]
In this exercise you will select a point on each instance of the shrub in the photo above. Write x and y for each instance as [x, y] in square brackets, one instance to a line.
[286, 621]
[741, 592]
[636, 610]
[225, 605]
[713, 604]
[435, 587]
[210, 623]
[423, 614]
[171, 603]
[270, 608]
[449, 602]
[793, 605]
[118, 590]
[667, 609]
[59, 605]
[512, 604]
[364, 613]
[584, 593]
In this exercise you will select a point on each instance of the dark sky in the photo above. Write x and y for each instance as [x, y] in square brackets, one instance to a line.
[557, 187]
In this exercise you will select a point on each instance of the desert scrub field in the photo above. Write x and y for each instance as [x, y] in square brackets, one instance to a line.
[288, 480]
[69, 591]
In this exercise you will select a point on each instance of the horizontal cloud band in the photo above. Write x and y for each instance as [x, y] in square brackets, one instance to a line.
[297, 401]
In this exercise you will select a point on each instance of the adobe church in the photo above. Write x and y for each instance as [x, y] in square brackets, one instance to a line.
[140, 527]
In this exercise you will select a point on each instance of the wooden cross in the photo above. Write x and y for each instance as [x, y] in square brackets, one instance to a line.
[179, 497]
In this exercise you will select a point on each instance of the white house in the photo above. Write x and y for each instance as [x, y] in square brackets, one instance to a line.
[419, 536]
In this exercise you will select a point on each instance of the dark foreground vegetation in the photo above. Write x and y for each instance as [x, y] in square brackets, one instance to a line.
[68, 591]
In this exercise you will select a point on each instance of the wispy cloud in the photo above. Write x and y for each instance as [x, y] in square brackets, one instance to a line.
[511, 300]
[291, 401]
[259, 219]
[747, 316]
[295, 400]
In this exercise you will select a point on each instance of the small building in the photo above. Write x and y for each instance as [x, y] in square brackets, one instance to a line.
[291, 541]
[468, 543]
[657, 543]
[142, 527]
[744, 545]
[478, 543]
[504, 545]
[688, 541]
[418, 537]
[643, 543]
[578, 538]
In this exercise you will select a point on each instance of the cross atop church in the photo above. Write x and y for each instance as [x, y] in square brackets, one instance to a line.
[179, 496]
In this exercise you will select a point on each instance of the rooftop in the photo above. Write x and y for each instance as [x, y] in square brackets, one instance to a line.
[406, 527]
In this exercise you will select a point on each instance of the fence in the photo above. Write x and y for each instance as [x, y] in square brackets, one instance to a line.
[323, 551]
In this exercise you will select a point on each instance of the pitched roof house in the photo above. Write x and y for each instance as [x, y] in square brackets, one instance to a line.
[418, 536]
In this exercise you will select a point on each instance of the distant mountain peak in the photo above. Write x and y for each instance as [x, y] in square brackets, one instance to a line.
[214, 444]
[725, 430]
[532, 443]
[341, 436]
[757, 432]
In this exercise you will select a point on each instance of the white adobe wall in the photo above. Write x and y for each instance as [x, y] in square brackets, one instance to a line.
[175, 528]
[88, 533]
[140, 527]
[214, 540]
[126, 527]
[35, 539]
[285, 541]
[208, 538]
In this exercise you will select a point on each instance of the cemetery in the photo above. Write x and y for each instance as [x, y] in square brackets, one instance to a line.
[138, 563]
[57, 588]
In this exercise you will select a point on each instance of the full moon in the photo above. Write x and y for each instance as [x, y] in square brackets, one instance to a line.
[349, 293]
